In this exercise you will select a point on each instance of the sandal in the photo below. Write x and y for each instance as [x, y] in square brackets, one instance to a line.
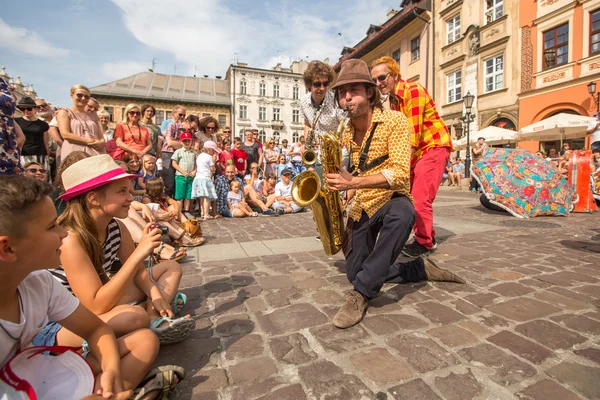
[175, 303]
[156, 255]
[173, 332]
[192, 242]
[163, 378]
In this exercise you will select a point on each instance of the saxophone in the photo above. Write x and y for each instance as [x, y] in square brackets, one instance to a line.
[309, 157]
[326, 204]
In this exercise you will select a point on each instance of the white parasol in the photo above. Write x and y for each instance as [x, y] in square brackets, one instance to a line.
[492, 134]
[557, 127]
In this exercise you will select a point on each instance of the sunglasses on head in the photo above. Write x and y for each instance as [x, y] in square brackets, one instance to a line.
[26, 108]
[36, 170]
[380, 78]
[135, 113]
[319, 84]
[82, 96]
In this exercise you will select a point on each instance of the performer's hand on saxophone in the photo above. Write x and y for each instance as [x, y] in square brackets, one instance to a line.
[340, 181]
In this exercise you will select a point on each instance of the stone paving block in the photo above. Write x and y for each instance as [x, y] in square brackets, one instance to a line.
[325, 380]
[566, 278]
[511, 289]
[380, 366]
[311, 284]
[549, 334]
[562, 301]
[407, 322]
[482, 299]
[590, 353]
[275, 282]
[244, 347]
[256, 305]
[341, 340]
[439, 313]
[591, 290]
[380, 325]
[453, 336]
[293, 392]
[546, 390]
[459, 386]
[327, 297]
[253, 390]
[507, 369]
[522, 309]
[582, 378]
[291, 319]
[251, 370]
[205, 396]
[234, 325]
[506, 275]
[210, 380]
[522, 347]
[535, 283]
[422, 353]
[476, 328]
[578, 323]
[571, 294]
[414, 390]
[465, 307]
[293, 349]
[493, 321]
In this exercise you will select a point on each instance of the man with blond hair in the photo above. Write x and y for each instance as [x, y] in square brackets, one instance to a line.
[431, 147]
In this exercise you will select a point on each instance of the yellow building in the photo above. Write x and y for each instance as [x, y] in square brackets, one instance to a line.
[405, 37]
[199, 95]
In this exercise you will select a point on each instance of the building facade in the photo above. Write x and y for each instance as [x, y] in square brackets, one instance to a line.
[405, 37]
[560, 56]
[21, 90]
[476, 43]
[267, 100]
[201, 96]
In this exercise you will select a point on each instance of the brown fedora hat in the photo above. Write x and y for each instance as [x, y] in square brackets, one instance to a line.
[353, 71]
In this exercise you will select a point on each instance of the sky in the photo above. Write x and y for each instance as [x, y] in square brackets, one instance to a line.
[56, 44]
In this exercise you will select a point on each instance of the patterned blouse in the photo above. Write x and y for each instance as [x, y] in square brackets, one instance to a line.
[392, 137]
[330, 116]
[10, 163]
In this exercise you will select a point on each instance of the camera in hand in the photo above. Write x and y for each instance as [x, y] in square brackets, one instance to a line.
[164, 230]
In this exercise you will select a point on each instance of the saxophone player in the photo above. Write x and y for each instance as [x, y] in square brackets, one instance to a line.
[382, 214]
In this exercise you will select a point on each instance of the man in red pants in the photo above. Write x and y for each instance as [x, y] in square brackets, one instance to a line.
[431, 145]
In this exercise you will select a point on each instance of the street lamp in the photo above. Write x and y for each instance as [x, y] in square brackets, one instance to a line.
[592, 91]
[468, 118]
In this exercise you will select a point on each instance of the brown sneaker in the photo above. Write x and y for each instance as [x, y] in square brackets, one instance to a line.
[435, 273]
[352, 312]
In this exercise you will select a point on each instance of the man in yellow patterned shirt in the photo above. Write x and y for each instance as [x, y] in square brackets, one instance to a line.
[382, 215]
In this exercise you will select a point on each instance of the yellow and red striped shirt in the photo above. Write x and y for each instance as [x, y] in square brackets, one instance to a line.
[428, 128]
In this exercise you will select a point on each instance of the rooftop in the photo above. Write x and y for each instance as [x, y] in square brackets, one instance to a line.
[171, 88]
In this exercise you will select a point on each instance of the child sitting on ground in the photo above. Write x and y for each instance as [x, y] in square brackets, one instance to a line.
[284, 203]
[97, 192]
[184, 232]
[30, 240]
[148, 170]
[236, 203]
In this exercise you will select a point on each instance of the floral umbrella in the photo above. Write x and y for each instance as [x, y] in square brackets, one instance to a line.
[596, 184]
[523, 184]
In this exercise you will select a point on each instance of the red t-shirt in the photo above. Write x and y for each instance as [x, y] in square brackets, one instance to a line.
[226, 159]
[238, 157]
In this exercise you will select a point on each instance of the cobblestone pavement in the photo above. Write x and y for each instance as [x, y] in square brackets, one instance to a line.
[525, 326]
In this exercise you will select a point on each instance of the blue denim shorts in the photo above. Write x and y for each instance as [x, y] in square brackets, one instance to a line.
[47, 336]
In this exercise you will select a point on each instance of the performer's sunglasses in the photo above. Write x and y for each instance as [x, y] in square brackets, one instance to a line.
[381, 78]
[319, 84]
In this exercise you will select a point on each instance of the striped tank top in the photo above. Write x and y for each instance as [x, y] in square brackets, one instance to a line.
[111, 247]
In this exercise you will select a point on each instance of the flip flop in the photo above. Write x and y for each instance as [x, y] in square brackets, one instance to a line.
[175, 302]
[163, 381]
[175, 331]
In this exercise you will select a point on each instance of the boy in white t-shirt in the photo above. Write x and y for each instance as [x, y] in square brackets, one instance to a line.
[30, 241]
[284, 204]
